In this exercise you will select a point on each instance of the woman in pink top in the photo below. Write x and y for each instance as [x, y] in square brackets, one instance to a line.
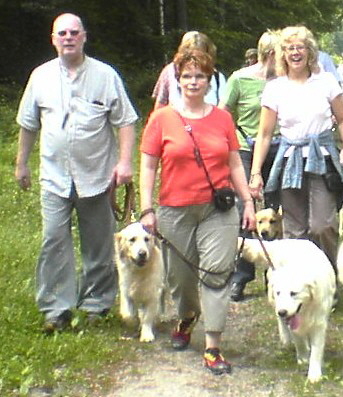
[187, 217]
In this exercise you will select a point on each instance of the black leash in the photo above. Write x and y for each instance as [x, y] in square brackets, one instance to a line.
[194, 267]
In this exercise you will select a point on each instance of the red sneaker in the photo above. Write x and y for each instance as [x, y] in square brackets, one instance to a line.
[181, 336]
[215, 362]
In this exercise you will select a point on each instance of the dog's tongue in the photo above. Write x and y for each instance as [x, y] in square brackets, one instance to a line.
[293, 322]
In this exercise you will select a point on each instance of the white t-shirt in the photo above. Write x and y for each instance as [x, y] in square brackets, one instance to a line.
[302, 109]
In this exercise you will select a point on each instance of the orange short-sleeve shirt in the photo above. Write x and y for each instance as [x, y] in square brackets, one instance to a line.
[183, 181]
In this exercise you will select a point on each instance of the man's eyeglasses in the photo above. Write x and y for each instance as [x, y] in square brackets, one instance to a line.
[291, 48]
[73, 33]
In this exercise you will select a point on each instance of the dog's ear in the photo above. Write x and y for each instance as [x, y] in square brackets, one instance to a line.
[118, 240]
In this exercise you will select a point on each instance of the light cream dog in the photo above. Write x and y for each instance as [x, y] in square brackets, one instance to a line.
[141, 277]
[269, 224]
[301, 287]
[340, 263]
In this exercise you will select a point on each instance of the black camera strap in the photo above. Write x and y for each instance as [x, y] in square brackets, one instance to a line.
[197, 154]
[194, 268]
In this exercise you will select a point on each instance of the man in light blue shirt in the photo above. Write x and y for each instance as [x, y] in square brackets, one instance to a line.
[75, 102]
[328, 65]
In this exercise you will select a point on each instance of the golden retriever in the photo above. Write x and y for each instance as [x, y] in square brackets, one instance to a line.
[141, 277]
[340, 263]
[301, 287]
[269, 224]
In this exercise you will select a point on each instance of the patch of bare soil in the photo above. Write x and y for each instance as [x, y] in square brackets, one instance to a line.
[260, 367]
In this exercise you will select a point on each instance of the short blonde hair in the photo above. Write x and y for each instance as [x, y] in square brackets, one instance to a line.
[267, 43]
[306, 36]
[196, 40]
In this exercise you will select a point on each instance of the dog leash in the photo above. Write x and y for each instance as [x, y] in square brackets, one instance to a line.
[192, 266]
[240, 250]
[269, 261]
[126, 214]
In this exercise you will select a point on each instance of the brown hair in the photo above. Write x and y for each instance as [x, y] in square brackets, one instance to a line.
[197, 58]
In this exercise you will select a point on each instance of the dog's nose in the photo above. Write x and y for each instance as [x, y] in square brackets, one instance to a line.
[264, 235]
[282, 313]
[142, 254]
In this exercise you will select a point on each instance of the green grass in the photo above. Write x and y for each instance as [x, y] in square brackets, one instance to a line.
[28, 358]
[261, 348]
[83, 360]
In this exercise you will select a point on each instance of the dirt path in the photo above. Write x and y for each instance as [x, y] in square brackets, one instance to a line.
[260, 367]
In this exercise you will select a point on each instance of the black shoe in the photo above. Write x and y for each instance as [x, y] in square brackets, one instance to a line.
[94, 318]
[58, 323]
[236, 292]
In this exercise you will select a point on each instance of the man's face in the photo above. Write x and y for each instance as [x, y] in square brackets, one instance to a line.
[68, 37]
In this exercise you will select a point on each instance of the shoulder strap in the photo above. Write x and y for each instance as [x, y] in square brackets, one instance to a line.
[216, 76]
[197, 154]
[248, 140]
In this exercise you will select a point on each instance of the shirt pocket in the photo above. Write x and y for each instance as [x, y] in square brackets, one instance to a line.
[88, 116]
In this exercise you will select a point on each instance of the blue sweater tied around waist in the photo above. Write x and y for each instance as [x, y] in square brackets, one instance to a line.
[294, 166]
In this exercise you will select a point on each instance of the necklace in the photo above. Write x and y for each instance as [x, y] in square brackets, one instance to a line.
[198, 114]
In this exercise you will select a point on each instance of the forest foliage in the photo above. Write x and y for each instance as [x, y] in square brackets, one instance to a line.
[129, 34]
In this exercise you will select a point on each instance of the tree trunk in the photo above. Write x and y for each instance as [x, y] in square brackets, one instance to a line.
[182, 15]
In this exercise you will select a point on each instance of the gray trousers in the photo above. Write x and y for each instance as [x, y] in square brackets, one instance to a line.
[56, 275]
[311, 212]
[208, 239]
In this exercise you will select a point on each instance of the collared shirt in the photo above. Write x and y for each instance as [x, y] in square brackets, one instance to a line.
[328, 65]
[76, 118]
[294, 167]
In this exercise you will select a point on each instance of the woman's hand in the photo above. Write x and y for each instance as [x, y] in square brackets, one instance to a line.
[256, 186]
[249, 219]
[149, 222]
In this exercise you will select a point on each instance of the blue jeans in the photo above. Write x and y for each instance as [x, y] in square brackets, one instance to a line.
[58, 287]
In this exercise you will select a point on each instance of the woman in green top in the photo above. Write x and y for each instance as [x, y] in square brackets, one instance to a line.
[242, 98]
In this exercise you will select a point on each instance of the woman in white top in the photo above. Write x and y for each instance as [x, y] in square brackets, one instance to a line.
[302, 101]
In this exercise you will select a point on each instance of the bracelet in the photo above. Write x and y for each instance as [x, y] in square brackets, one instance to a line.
[252, 176]
[146, 212]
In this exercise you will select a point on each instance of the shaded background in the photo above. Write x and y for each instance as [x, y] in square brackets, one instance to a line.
[140, 36]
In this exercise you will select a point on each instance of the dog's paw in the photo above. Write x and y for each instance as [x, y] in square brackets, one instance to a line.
[146, 335]
[314, 372]
[129, 319]
[314, 378]
[302, 360]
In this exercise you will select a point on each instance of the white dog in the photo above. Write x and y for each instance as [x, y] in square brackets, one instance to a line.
[302, 287]
[141, 277]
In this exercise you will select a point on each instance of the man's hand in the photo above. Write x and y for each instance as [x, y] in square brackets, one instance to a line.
[23, 176]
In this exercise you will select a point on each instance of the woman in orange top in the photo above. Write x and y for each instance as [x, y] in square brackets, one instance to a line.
[187, 216]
